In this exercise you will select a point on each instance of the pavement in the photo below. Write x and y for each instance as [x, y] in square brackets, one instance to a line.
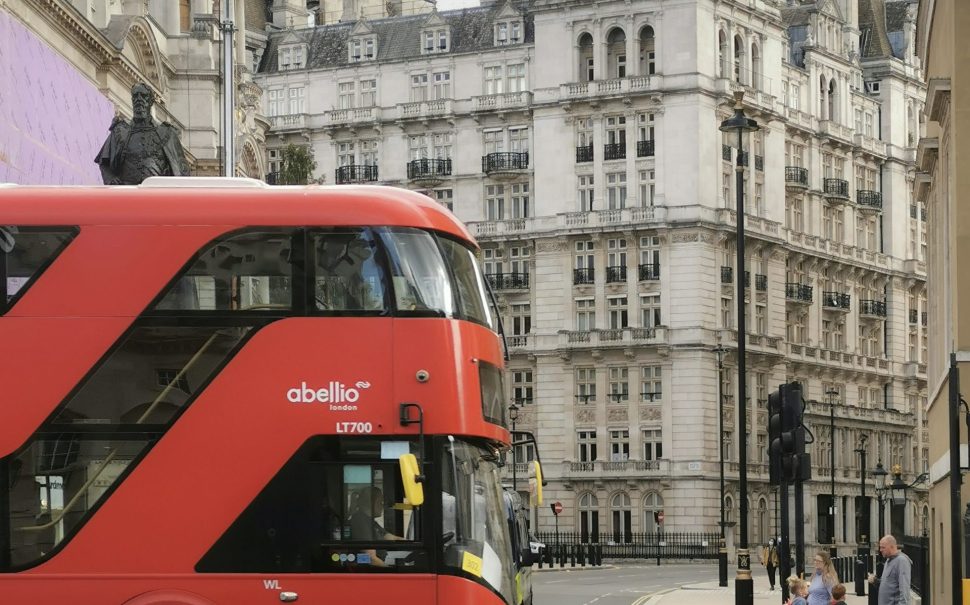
[709, 593]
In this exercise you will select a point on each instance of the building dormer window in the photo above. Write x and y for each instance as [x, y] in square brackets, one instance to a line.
[362, 49]
[508, 32]
[292, 57]
[435, 41]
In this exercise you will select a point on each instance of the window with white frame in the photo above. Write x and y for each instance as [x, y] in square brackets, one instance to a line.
[616, 130]
[653, 444]
[584, 255]
[585, 385]
[648, 188]
[619, 313]
[760, 319]
[346, 95]
[619, 445]
[645, 126]
[616, 190]
[586, 444]
[368, 152]
[522, 387]
[441, 145]
[494, 141]
[495, 202]
[446, 198]
[585, 192]
[419, 87]
[368, 93]
[297, 98]
[276, 102]
[519, 139]
[584, 132]
[418, 147]
[651, 383]
[616, 253]
[493, 261]
[274, 159]
[650, 256]
[362, 49]
[292, 57]
[585, 314]
[520, 200]
[441, 85]
[521, 319]
[435, 41]
[794, 214]
[346, 153]
[650, 311]
[508, 32]
[515, 77]
[519, 260]
[619, 385]
[494, 80]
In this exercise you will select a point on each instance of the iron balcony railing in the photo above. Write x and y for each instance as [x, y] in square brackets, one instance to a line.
[583, 276]
[761, 282]
[645, 149]
[869, 199]
[796, 175]
[727, 275]
[584, 153]
[876, 308]
[649, 271]
[836, 300]
[796, 291]
[356, 173]
[273, 178]
[836, 188]
[614, 151]
[505, 160]
[508, 281]
[428, 167]
[616, 273]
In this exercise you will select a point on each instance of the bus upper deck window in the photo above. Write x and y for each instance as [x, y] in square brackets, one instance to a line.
[249, 271]
[418, 273]
[348, 276]
[24, 254]
[472, 301]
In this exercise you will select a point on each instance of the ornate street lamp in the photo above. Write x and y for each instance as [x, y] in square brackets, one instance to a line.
[831, 393]
[862, 555]
[722, 570]
[743, 583]
[879, 476]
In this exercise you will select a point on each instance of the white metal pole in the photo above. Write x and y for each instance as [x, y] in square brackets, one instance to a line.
[228, 92]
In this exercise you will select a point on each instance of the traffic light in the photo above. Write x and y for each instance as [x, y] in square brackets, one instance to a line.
[795, 462]
[774, 436]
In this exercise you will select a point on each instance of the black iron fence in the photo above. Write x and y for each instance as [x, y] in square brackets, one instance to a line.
[846, 568]
[917, 548]
[652, 545]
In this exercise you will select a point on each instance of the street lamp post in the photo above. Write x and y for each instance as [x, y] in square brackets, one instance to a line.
[743, 583]
[861, 562]
[879, 476]
[898, 490]
[513, 416]
[722, 571]
[833, 551]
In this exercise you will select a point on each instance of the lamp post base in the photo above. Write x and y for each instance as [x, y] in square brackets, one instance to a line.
[833, 551]
[743, 583]
[722, 564]
[861, 571]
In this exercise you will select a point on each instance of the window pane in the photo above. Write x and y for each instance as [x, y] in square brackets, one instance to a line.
[24, 253]
[348, 276]
[418, 273]
[473, 304]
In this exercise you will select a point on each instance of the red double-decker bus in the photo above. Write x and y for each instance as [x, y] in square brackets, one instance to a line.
[215, 392]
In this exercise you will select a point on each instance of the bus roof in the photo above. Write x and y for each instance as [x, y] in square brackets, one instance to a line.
[225, 201]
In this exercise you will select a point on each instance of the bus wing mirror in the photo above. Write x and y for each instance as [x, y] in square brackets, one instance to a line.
[411, 478]
[538, 479]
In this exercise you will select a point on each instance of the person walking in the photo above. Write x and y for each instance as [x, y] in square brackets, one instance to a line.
[823, 580]
[769, 558]
[896, 574]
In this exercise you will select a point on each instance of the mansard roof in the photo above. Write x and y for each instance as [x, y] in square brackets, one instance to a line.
[398, 38]
[873, 38]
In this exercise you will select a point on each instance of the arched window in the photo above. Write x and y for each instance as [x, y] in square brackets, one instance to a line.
[822, 105]
[586, 58]
[764, 526]
[589, 518]
[755, 66]
[616, 52]
[722, 54]
[738, 56]
[621, 519]
[833, 101]
[910, 127]
[728, 509]
[648, 53]
[653, 504]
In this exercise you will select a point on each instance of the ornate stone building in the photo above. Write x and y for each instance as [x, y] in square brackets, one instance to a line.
[580, 142]
[76, 61]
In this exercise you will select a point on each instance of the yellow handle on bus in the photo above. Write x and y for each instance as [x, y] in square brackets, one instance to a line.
[538, 478]
[413, 490]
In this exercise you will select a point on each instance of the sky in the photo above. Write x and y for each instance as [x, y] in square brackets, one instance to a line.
[445, 5]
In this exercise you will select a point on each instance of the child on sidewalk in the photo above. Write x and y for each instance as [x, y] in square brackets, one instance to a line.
[838, 594]
[799, 591]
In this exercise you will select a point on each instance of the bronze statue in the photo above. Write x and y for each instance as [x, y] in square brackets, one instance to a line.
[140, 149]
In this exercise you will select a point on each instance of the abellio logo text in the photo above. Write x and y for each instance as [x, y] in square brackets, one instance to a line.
[340, 397]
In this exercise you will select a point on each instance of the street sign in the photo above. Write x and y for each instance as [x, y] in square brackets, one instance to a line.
[556, 508]
[660, 516]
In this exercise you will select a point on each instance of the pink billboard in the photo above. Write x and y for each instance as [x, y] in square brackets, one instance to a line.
[53, 119]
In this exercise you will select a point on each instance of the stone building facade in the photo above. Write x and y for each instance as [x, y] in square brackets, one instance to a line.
[580, 143]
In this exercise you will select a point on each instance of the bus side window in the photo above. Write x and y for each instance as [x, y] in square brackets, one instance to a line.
[251, 271]
[348, 276]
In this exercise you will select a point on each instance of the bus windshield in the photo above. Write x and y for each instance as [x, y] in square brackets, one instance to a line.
[475, 532]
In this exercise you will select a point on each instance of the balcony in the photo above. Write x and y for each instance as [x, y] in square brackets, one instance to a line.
[428, 172]
[614, 337]
[869, 202]
[649, 271]
[504, 101]
[629, 469]
[799, 293]
[872, 309]
[761, 282]
[614, 151]
[356, 173]
[796, 178]
[645, 149]
[424, 110]
[338, 117]
[508, 281]
[583, 276]
[835, 190]
[836, 301]
[575, 91]
[584, 153]
[505, 164]
[289, 122]
[727, 275]
[616, 274]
